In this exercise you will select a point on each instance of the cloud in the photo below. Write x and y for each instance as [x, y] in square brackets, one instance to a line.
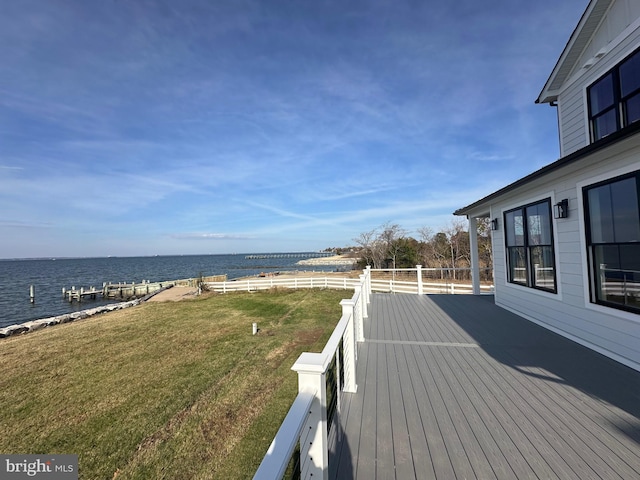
[17, 224]
[274, 120]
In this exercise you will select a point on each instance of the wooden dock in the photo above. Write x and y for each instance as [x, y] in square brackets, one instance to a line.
[115, 291]
[456, 387]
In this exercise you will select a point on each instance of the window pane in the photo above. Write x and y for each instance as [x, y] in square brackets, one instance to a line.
[601, 95]
[630, 75]
[514, 226]
[617, 274]
[600, 214]
[543, 268]
[539, 224]
[613, 210]
[605, 124]
[632, 110]
[626, 218]
[517, 265]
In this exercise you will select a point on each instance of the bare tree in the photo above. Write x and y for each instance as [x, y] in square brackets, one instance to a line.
[426, 246]
[389, 236]
[458, 242]
[388, 246]
[366, 241]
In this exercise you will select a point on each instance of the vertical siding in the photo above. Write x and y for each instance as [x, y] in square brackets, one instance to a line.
[573, 112]
[610, 331]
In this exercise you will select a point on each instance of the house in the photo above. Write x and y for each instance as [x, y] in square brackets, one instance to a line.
[566, 238]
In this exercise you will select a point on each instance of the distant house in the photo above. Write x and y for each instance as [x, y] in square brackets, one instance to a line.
[566, 238]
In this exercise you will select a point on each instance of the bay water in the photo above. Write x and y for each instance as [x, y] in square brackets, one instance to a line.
[50, 276]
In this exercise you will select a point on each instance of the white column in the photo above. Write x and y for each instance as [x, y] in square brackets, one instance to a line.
[419, 273]
[475, 263]
[314, 454]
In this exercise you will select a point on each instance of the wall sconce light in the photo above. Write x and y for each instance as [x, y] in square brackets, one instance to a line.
[561, 209]
[494, 224]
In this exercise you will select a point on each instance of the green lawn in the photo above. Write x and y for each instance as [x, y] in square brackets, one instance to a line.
[163, 390]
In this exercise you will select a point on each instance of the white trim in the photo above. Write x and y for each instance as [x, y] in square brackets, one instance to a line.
[581, 341]
[588, 304]
[560, 129]
[585, 113]
[593, 72]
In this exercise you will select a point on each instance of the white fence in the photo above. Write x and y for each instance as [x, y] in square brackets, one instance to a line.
[402, 280]
[254, 284]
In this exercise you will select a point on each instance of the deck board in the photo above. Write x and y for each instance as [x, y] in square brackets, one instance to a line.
[455, 387]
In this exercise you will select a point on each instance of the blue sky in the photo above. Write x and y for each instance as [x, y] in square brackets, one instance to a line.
[204, 126]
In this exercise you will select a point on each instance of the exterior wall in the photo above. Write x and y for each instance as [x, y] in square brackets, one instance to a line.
[619, 35]
[569, 312]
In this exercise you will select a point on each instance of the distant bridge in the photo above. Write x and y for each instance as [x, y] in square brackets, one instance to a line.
[261, 256]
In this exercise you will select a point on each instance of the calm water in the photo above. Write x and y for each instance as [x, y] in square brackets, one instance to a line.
[50, 276]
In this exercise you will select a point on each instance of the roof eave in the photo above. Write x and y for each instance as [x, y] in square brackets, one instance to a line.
[590, 19]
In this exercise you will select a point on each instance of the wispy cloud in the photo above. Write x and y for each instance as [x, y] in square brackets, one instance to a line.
[210, 236]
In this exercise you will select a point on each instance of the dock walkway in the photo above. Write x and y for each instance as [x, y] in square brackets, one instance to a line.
[456, 387]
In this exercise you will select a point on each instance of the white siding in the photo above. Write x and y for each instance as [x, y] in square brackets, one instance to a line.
[610, 331]
[572, 121]
[619, 35]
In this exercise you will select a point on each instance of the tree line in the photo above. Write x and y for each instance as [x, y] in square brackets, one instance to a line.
[390, 246]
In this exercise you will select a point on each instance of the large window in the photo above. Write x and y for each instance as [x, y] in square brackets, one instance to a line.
[529, 241]
[614, 100]
[613, 240]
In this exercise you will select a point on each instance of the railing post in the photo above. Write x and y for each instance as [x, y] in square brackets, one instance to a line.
[314, 454]
[419, 273]
[368, 285]
[363, 297]
[358, 316]
[350, 348]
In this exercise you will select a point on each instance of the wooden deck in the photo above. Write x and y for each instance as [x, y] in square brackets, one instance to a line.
[455, 387]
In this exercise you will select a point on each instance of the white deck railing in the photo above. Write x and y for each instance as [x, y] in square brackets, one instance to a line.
[307, 424]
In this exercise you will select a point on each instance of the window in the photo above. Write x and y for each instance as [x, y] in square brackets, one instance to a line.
[614, 100]
[613, 241]
[529, 240]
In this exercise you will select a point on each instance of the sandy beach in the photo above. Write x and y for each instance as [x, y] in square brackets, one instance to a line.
[175, 294]
[338, 260]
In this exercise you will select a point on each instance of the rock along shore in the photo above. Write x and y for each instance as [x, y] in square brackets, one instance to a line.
[33, 325]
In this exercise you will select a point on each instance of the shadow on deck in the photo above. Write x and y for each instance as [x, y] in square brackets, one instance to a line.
[456, 387]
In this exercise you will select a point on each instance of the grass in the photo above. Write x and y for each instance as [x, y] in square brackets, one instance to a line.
[164, 390]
